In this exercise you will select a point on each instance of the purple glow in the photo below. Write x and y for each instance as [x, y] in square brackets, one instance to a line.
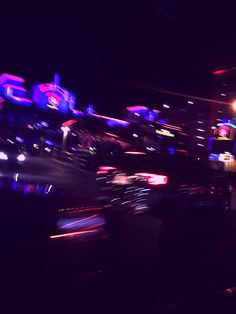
[77, 112]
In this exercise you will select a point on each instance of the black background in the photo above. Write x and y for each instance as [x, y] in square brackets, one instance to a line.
[100, 46]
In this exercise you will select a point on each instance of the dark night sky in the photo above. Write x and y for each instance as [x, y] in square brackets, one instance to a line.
[97, 46]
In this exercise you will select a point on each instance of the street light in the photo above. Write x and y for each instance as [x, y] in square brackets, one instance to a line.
[65, 130]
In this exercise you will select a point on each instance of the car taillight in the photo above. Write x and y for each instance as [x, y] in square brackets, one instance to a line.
[153, 179]
[105, 169]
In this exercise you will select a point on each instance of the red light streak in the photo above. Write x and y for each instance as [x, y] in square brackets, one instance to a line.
[219, 72]
[77, 210]
[69, 122]
[71, 234]
[182, 150]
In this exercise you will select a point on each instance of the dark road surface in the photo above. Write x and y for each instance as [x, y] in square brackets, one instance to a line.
[136, 265]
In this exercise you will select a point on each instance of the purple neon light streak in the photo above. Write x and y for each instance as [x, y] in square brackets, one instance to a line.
[109, 118]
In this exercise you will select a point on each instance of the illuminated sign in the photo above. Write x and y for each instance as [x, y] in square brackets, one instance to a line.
[223, 132]
[52, 97]
[11, 88]
[165, 133]
[227, 157]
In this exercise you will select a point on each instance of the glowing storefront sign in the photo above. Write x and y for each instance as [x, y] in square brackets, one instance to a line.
[11, 88]
[51, 96]
[223, 132]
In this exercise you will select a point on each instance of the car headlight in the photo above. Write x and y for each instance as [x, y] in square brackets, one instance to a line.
[3, 156]
[21, 157]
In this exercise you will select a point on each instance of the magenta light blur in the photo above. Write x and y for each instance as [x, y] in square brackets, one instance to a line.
[8, 77]
[137, 108]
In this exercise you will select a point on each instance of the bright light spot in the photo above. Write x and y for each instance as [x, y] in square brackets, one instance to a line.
[3, 156]
[65, 129]
[201, 137]
[16, 176]
[43, 123]
[137, 114]
[165, 132]
[220, 111]
[21, 157]
[49, 189]
[19, 139]
[153, 179]
[222, 94]
[190, 102]
[135, 153]
[135, 135]
[165, 106]
[234, 105]
[200, 122]
[10, 141]
[47, 149]
[198, 144]
[201, 130]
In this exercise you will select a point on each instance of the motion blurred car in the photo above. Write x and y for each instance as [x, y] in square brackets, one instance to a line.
[10, 154]
[137, 182]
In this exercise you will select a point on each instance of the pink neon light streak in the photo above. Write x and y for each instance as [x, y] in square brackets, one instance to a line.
[109, 118]
[106, 168]
[51, 94]
[6, 76]
[219, 72]
[21, 99]
[71, 234]
[136, 108]
[14, 87]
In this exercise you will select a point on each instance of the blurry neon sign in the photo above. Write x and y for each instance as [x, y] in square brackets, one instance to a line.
[11, 88]
[223, 132]
[50, 96]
